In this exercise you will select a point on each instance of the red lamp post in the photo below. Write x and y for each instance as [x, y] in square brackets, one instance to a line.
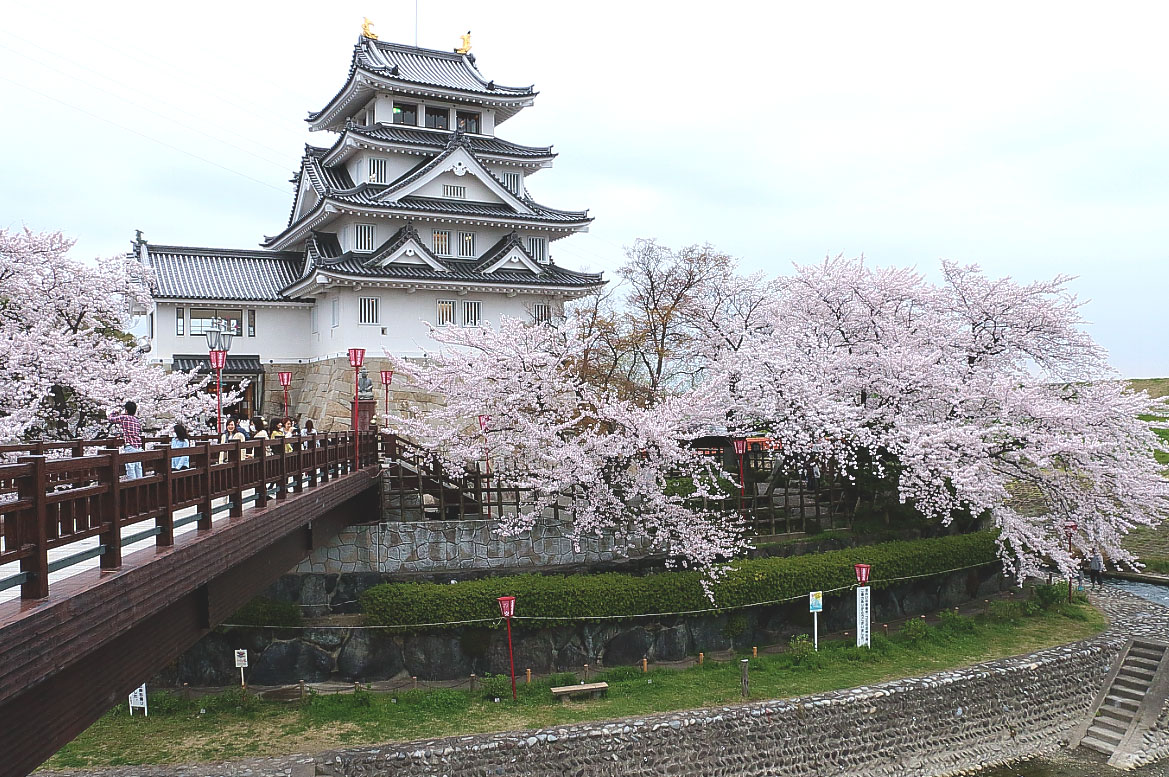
[507, 610]
[740, 449]
[356, 359]
[387, 379]
[285, 381]
[862, 573]
[218, 344]
[484, 422]
[1069, 529]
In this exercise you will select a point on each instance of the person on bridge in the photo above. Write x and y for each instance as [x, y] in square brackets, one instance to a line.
[131, 436]
[230, 434]
[181, 440]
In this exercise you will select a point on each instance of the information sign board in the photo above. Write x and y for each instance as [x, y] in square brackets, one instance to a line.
[241, 659]
[816, 601]
[862, 616]
[138, 700]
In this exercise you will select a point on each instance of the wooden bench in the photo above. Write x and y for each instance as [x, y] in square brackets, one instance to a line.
[592, 689]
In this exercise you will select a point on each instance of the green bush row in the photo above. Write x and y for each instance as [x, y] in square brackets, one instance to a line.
[267, 612]
[589, 597]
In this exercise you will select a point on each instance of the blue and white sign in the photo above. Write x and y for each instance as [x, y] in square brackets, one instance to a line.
[816, 601]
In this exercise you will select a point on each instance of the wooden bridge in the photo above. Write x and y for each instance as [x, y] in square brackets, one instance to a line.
[71, 650]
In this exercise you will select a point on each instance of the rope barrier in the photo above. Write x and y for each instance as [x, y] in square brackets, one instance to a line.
[585, 618]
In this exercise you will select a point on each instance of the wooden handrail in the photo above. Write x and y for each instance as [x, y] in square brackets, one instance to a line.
[48, 501]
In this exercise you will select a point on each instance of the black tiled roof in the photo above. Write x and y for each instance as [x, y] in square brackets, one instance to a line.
[428, 67]
[467, 270]
[502, 246]
[236, 365]
[184, 272]
[438, 139]
[423, 68]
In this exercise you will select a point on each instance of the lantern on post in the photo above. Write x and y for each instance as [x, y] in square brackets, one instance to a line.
[1069, 529]
[218, 344]
[356, 359]
[285, 381]
[484, 422]
[507, 610]
[740, 450]
[387, 379]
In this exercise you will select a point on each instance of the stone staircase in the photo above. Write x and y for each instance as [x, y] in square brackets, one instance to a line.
[1128, 704]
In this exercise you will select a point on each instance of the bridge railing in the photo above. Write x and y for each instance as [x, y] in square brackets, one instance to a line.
[51, 503]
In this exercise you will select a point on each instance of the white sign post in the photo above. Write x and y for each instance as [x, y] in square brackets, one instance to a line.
[241, 663]
[863, 606]
[816, 606]
[138, 699]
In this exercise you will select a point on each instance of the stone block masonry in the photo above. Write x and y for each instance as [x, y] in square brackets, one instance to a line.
[421, 549]
[323, 391]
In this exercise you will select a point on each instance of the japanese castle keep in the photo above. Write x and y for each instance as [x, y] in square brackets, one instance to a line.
[417, 214]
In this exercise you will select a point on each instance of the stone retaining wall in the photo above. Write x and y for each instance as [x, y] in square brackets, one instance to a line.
[419, 549]
[284, 656]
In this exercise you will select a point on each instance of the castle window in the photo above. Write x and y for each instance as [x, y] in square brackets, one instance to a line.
[538, 248]
[203, 320]
[472, 313]
[442, 242]
[512, 182]
[438, 118]
[446, 312]
[377, 170]
[312, 319]
[467, 244]
[251, 323]
[406, 113]
[467, 121]
[180, 321]
[368, 310]
[454, 192]
[541, 313]
[363, 237]
[336, 311]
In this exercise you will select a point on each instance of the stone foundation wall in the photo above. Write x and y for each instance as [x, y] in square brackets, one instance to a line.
[423, 549]
[323, 391]
[314, 654]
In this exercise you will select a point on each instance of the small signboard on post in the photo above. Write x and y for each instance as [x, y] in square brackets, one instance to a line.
[816, 606]
[863, 605]
[241, 663]
[138, 699]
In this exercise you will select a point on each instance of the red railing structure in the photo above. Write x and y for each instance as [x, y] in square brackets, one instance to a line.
[58, 495]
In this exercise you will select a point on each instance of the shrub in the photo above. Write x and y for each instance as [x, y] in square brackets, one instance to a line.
[915, 630]
[267, 612]
[735, 626]
[1047, 596]
[1007, 610]
[496, 686]
[540, 599]
[800, 647]
[955, 623]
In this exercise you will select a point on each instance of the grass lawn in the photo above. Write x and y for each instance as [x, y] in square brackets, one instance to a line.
[228, 726]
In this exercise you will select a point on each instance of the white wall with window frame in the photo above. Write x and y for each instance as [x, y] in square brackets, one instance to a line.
[467, 245]
[472, 312]
[377, 172]
[369, 310]
[364, 237]
[445, 313]
[538, 248]
[441, 242]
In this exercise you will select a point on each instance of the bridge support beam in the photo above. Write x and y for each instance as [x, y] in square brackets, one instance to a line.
[70, 658]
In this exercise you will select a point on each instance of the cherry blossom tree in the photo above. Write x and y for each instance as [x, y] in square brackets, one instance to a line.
[614, 464]
[958, 396]
[66, 359]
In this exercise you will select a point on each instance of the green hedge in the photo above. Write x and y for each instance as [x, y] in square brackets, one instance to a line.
[586, 597]
[267, 612]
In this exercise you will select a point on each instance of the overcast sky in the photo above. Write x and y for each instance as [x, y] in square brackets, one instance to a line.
[1031, 138]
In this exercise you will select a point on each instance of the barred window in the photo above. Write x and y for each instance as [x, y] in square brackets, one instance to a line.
[512, 182]
[442, 242]
[251, 323]
[538, 248]
[467, 244]
[336, 311]
[368, 310]
[471, 313]
[180, 321]
[204, 320]
[454, 192]
[541, 313]
[446, 312]
[363, 237]
[377, 170]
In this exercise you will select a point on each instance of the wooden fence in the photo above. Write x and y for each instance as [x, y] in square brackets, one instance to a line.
[49, 503]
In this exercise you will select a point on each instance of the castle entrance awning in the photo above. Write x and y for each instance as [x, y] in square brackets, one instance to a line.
[236, 365]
